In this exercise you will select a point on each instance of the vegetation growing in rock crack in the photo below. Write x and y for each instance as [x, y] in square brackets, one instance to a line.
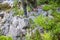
[40, 18]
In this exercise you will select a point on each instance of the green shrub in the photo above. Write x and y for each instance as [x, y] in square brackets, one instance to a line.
[50, 25]
[16, 9]
[34, 36]
[56, 16]
[28, 9]
[5, 38]
[52, 6]
[47, 36]
[46, 7]
[37, 35]
[43, 21]
[18, 12]
[38, 2]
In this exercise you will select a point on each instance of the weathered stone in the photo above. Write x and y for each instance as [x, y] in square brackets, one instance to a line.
[1, 1]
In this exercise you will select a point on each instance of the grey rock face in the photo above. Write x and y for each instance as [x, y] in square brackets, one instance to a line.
[13, 26]
[1, 1]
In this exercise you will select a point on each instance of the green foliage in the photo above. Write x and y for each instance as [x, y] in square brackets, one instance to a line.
[50, 25]
[18, 12]
[56, 16]
[57, 22]
[16, 9]
[27, 36]
[34, 36]
[37, 35]
[43, 21]
[5, 38]
[15, 3]
[52, 6]
[47, 36]
[28, 9]
[46, 7]
[47, 23]
[39, 2]
[57, 28]
[54, 1]
[32, 25]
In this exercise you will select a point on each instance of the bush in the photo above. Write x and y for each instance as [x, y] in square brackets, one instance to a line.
[47, 7]
[16, 9]
[47, 36]
[38, 2]
[44, 22]
[50, 25]
[34, 36]
[5, 38]
[28, 9]
[18, 12]
[52, 6]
